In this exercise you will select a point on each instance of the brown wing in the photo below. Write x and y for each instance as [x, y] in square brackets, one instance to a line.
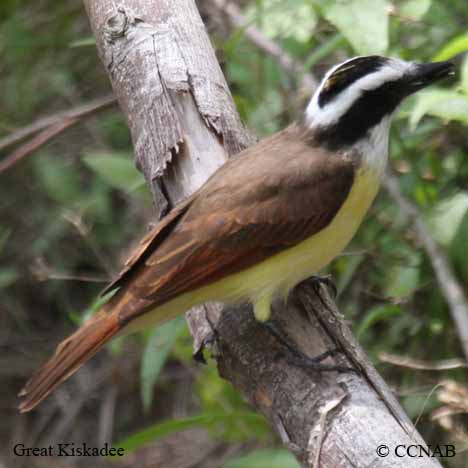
[267, 199]
[149, 243]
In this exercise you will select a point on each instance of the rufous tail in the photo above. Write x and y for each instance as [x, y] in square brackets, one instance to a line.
[68, 358]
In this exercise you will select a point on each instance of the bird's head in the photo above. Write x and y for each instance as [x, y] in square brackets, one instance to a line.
[360, 95]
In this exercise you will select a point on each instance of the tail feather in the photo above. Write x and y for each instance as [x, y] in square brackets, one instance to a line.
[68, 358]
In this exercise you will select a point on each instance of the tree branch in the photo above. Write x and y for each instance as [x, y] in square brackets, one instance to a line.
[184, 124]
[449, 286]
[82, 110]
[270, 47]
[49, 127]
[33, 145]
[419, 364]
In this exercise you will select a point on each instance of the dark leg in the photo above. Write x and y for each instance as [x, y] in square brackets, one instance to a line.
[327, 281]
[299, 358]
[309, 363]
[211, 339]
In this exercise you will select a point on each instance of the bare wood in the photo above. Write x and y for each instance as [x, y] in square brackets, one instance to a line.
[420, 364]
[184, 124]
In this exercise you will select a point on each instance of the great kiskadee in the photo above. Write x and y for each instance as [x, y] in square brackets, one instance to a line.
[269, 218]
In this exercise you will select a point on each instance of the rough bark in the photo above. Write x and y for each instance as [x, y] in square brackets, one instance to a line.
[184, 125]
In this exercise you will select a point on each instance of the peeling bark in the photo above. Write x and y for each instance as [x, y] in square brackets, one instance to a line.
[184, 125]
[163, 87]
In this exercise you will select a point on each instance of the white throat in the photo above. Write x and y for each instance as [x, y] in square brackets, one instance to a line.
[373, 149]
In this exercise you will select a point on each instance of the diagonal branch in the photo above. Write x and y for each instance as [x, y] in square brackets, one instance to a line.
[49, 128]
[33, 145]
[419, 364]
[448, 283]
[79, 112]
[270, 47]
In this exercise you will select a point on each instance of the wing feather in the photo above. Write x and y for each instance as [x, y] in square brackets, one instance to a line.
[148, 244]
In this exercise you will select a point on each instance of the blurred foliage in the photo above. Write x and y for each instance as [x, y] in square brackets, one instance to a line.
[264, 459]
[69, 212]
[211, 420]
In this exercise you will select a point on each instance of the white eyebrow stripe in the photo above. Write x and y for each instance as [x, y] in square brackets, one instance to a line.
[332, 111]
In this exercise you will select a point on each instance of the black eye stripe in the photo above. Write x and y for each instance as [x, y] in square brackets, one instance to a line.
[347, 74]
[367, 112]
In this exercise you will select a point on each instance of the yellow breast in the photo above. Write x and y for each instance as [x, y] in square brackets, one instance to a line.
[283, 271]
[311, 255]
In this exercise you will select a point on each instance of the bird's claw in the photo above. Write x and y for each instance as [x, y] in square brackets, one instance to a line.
[327, 281]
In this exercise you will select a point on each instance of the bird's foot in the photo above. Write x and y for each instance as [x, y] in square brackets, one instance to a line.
[315, 364]
[210, 340]
[298, 358]
[327, 281]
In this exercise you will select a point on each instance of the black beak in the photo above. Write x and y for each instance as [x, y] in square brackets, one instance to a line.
[427, 73]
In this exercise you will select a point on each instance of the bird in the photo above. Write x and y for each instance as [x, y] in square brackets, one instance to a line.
[270, 217]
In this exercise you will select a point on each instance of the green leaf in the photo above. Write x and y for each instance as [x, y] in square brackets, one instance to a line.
[261, 117]
[458, 248]
[403, 280]
[363, 22]
[160, 430]
[58, 177]
[324, 50]
[98, 302]
[445, 218]
[415, 9]
[4, 235]
[116, 169]
[445, 104]
[464, 76]
[350, 265]
[264, 459]
[284, 18]
[456, 46]
[377, 314]
[155, 355]
[166, 428]
[420, 404]
[7, 277]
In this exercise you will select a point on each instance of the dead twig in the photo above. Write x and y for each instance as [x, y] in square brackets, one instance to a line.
[106, 415]
[80, 111]
[454, 398]
[34, 144]
[419, 364]
[270, 47]
[42, 271]
[51, 127]
[448, 283]
[77, 221]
